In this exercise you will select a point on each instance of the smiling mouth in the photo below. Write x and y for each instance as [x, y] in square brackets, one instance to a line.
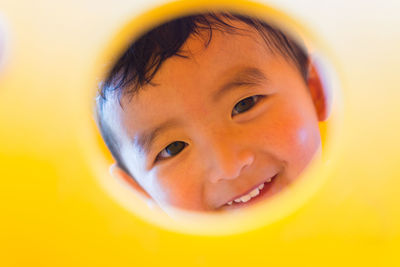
[259, 190]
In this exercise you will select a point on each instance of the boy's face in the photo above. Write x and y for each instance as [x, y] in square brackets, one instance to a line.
[219, 124]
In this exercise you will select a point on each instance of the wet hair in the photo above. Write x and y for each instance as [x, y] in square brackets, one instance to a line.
[137, 66]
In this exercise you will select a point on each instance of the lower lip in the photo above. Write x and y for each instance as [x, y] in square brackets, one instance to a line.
[265, 193]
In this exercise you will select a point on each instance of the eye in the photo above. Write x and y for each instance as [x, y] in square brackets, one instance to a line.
[171, 150]
[245, 104]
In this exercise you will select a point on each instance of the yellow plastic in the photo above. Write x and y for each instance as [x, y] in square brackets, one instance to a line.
[60, 207]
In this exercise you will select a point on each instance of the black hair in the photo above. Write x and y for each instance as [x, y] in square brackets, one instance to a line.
[144, 57]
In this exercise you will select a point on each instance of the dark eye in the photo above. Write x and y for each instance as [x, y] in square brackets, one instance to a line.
[171, 150]
[245, 104]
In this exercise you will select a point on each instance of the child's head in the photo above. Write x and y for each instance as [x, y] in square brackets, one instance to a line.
[212, 112]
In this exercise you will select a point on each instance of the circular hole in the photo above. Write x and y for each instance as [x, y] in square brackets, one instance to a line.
[220, 122]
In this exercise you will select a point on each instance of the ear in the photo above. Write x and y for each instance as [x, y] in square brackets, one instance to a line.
[124, 177]
[319, 93]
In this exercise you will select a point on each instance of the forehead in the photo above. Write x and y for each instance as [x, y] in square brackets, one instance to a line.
[204, 68]
[218, 55]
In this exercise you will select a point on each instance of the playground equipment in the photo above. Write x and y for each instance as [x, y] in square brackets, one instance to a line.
[60, 206]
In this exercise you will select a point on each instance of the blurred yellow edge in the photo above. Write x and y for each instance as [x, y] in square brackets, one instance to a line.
[261, 215]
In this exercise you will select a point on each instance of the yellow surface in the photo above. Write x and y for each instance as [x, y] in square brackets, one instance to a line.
[59, 207]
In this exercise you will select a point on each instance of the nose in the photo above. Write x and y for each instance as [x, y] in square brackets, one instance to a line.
[228, 159]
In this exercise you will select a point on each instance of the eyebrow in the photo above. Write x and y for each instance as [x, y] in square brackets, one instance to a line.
[244, 77]
[146, 139]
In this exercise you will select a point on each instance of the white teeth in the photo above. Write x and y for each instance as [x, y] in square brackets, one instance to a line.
[254, 193]
[245, 198]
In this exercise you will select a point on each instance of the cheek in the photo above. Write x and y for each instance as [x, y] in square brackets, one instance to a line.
[157, 190]
[300, 142]
[292, 136]
[177, 185]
